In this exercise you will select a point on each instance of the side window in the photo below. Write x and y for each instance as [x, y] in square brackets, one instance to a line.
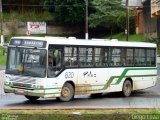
[151, 60]
[86, 57]
[129, 57]
[115, 57]
[55, 58]
[70, 57]
[140, 57]
[54, 61]
[101, 57]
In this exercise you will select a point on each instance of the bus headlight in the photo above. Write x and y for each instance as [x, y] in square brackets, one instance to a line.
[6, 82]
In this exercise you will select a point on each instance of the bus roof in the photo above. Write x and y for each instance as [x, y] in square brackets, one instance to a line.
[90, 42]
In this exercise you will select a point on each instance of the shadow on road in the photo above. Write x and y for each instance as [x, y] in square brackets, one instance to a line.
[82, 100]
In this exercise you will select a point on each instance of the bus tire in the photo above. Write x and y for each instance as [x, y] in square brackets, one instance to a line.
[31, 98]
[67, 93]
[127, 88]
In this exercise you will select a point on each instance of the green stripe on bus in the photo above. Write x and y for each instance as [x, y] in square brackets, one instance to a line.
[47, 88]
[109, 82]
[120, 78]
[128, 69]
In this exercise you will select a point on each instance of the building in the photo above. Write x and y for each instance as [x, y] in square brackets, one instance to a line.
[137, 6]
[155, 8]
[151, 13]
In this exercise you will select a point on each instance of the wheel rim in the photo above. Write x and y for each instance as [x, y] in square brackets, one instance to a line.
[65, 92]
[127, 89]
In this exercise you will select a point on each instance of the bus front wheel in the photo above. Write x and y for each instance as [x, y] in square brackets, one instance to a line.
[67, 93]
[127, 88]
[31, 98]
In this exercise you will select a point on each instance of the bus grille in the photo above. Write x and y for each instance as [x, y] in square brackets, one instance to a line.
[22, 85]
[23, 82]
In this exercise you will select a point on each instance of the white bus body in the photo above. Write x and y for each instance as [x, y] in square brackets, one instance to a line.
[82, 67]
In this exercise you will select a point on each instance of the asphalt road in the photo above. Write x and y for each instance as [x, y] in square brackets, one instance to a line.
[149, 98]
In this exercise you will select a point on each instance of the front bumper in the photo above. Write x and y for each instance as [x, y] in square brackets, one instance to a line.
[45, 93]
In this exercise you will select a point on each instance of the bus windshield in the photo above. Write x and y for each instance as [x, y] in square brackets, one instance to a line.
[26, 61]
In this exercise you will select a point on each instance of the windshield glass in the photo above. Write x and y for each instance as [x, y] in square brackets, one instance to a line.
[26, 61]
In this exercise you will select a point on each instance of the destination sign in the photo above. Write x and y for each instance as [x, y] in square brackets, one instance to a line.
[28, 43]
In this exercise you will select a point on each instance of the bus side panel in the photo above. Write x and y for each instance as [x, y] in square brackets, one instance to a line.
[143, 77]
[98, 80]
[54, 85]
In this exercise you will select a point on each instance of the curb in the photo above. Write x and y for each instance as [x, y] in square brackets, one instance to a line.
[75, 108]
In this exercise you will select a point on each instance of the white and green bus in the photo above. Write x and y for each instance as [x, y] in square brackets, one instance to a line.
[57, 67]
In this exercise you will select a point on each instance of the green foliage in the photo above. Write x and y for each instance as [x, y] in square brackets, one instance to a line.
[132, 37]
[121, 21]
[66, 11]
[157, 41]
[28, 15]
[112, 114]
[107, 13]
[49, 5]
[2, 56]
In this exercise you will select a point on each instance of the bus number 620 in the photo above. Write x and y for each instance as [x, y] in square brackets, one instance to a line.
[69, 75]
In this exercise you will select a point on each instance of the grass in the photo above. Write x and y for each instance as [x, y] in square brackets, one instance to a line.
[132, 37]
[112, 114]
[2, 56]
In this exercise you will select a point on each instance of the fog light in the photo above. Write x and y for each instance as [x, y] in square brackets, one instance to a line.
[6, 82]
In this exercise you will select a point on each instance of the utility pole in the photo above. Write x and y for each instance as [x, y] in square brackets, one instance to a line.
[1, 17]
[127, 21]
[86, 21]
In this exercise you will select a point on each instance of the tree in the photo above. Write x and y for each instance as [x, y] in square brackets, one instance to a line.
[66, 11]
[49, 5]
[107, 13]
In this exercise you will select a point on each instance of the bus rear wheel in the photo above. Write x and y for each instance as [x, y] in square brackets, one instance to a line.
[31, 98]
[127, 88]
[67, 93]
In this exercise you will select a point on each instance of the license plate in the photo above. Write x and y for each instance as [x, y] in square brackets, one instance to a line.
[20, 91]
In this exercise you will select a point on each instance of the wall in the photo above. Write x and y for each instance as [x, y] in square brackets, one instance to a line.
[58, 30]
[139, 21]
[150, 24]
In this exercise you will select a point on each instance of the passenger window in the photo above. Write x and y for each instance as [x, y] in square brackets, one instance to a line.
[151, 60]
[140, 57]
[115, 57]
[70, 57]
[85, 57]
[54, 62]
[129, 57]
[101, 55]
